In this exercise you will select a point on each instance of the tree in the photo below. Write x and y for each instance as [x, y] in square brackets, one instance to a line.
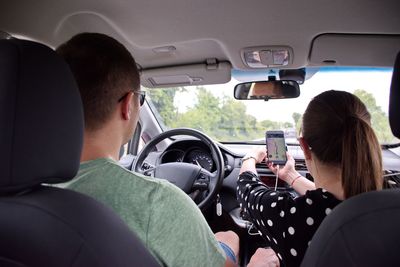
[163, 101]
[204, 114]
[379, 119]
[297, 117]
[222, 118]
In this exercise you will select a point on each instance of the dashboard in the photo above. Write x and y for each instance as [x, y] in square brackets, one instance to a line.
[197, 156]
[194, 152]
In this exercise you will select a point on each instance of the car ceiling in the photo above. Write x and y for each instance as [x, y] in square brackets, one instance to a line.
[201, 30]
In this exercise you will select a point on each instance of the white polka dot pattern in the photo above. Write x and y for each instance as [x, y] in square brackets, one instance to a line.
[293, 252]
[287, 223]
[327, 211]
[292, 210]
[291, 230]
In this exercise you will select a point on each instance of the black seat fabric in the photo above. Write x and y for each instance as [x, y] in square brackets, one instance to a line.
[362, 231]
[41, 135]
[394, 110]
[40, 116]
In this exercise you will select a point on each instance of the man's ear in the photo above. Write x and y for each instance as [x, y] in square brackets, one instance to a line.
[306, 148]
[127, 106]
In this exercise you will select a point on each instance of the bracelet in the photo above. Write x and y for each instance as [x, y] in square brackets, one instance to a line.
[248, 157]
[294, 180]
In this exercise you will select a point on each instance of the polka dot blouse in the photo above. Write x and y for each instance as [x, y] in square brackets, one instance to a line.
[288, 224]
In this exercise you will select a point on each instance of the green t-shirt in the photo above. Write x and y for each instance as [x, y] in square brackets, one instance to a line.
[163, 216]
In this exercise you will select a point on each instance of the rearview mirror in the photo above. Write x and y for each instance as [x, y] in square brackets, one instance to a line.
[267, 90]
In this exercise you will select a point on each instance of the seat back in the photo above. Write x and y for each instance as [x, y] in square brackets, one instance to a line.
[41, 122]
[361, 231]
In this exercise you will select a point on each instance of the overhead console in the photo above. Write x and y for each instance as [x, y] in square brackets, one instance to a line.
[267, 56]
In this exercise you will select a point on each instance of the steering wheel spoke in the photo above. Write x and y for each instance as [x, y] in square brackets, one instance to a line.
[146, 169]
[202, 182]
[192, 179]
[149, 172]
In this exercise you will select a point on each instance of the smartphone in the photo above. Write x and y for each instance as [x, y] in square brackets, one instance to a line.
[276, 147]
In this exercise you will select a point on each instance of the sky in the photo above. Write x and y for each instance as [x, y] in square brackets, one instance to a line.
[375, 82]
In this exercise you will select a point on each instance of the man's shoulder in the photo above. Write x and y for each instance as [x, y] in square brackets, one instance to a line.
[113, 171]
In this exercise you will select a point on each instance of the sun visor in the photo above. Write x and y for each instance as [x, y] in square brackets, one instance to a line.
[354, 50]
[197, 74]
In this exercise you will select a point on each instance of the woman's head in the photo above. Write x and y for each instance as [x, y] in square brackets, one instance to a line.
[337, 128]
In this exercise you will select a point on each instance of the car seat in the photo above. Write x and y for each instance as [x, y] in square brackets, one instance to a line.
[41, 133]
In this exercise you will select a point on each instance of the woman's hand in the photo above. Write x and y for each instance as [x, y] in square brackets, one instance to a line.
[256, 155]
[287, 172]
[258, 152]
[264, 257]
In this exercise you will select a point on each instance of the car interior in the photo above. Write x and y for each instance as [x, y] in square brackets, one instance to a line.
[210, 70]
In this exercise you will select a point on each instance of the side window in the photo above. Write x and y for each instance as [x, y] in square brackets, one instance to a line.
[141, 144]
[124, 150]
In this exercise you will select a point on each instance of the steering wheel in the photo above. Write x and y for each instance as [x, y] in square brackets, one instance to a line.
[192, 179]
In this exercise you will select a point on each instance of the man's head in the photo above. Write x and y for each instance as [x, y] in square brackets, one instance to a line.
[107, 76]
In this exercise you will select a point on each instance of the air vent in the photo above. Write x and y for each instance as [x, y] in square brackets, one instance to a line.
[262, 165]
[300, 165]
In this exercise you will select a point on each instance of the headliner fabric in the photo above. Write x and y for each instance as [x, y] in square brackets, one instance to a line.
[41, 117]
[394, 102]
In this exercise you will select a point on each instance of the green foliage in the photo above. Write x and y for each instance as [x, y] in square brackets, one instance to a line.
[163, 101]
[222, 118]
[379, 119]
[226, 119]
[297, 117]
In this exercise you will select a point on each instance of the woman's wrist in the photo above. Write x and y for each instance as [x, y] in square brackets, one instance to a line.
[291, 177]
[249, 157]
[294, 180]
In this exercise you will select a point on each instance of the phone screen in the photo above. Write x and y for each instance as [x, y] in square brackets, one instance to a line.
[276, 147]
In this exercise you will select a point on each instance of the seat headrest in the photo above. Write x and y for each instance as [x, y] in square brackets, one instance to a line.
[41, 117]
[394, 108]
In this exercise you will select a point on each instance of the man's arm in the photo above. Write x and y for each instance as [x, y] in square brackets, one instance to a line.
[178, 233]
[231, 240]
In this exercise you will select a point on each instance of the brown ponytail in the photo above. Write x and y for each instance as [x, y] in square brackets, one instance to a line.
[361, 158]
[336, 125]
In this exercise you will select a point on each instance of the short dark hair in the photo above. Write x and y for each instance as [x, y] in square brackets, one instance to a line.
[104, 70]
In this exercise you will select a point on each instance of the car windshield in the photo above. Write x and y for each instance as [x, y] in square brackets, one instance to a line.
[213, 110]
